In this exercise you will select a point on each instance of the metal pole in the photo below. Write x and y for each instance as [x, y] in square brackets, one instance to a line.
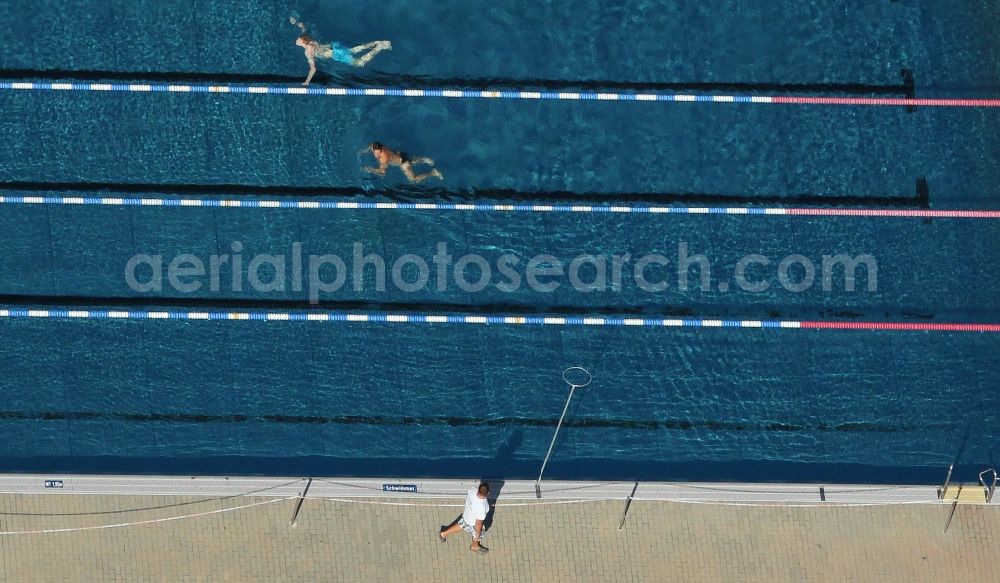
[988, 488]
[958, 456]
[538, 490]
[951, 514]
[572, 388]
[947, 481]
[628, 502]
[298, 505]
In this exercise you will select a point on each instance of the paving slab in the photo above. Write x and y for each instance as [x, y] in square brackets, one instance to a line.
[382, 537]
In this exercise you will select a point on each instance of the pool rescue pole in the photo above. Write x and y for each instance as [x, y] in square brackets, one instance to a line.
[572, 389]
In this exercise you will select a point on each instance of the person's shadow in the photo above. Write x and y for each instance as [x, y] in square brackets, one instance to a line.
[504, 458]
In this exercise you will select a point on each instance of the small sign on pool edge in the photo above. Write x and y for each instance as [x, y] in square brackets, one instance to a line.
[53, 483]
[411, 488]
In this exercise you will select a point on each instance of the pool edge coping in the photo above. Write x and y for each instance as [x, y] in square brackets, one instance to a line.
[426, 490]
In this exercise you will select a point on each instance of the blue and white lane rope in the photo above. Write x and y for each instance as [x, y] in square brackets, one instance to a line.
[500, 320]
[493, 207]
[491, 94]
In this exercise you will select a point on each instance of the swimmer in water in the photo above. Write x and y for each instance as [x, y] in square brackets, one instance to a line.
[387, 157]
[358, 56]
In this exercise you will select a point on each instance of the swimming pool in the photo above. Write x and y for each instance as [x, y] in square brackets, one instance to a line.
[379, 397]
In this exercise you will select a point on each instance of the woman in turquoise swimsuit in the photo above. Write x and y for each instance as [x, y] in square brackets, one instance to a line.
[358, 56]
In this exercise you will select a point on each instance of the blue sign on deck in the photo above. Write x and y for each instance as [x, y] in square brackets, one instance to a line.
[411, 488]
[53, 483]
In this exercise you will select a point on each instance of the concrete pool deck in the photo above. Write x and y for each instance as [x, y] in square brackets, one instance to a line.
[132, 528]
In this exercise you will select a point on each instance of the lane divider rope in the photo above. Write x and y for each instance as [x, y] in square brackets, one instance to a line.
[502, 94]
[491, 207]
[411, 318]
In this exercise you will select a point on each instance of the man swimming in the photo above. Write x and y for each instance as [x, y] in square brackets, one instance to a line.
[387, 157]
[358, 56]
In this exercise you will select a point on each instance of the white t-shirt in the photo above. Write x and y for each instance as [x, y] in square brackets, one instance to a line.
[476, 508]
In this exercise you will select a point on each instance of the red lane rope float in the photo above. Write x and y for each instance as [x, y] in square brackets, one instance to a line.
[885, 101]
[899, 326]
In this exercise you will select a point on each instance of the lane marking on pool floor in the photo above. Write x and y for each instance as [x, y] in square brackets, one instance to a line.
[136, 201]
[484, 319]
[597, 95]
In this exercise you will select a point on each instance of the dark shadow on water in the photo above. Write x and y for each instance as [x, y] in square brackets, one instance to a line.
[402, 193]
[96, 76]
[373, 78]
[504, 458]
[692, 310]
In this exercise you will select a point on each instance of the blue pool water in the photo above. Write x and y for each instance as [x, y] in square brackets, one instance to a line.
[449, 400]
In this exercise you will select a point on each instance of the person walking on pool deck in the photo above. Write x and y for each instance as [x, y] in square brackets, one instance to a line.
[471, 521]
[356, 56]
[387, 157]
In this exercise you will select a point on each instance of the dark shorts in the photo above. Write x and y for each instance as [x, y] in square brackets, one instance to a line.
[404, 158]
